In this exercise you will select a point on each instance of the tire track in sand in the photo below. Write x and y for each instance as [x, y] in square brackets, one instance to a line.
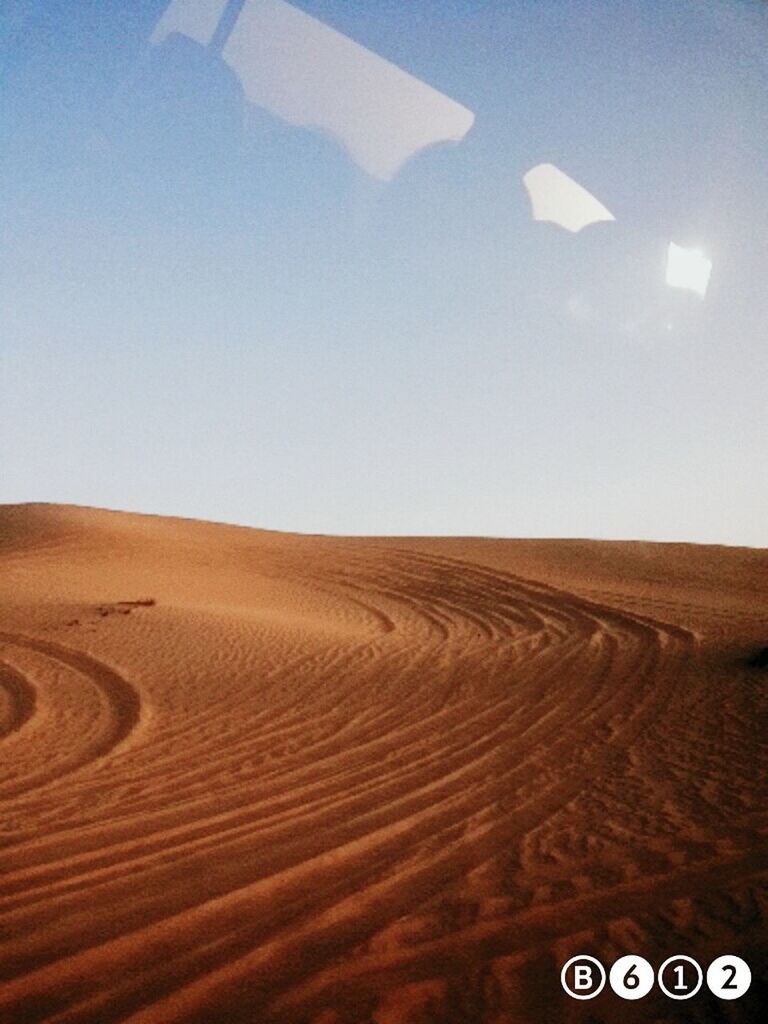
[21, 699]
[121, 698]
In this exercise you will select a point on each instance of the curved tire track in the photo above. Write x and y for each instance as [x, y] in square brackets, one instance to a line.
[120, 696]
[21, 696]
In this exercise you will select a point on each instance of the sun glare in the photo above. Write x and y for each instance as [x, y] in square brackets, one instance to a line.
[688, 268]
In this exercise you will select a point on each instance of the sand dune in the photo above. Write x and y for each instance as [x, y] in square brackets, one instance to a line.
[257, 777]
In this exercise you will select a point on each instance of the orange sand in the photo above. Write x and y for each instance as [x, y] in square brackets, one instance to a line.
[258, 777]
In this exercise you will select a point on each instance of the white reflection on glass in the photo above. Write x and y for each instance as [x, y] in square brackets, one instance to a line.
[308, 74]
[688, 268]
[558, 199]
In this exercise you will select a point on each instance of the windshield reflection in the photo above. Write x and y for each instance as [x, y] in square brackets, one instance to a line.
[558, 199]
[308, 74]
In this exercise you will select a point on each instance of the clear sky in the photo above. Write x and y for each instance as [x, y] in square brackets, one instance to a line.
[210, 311]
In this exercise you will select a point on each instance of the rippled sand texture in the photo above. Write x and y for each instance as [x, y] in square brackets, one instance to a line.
[256, 777]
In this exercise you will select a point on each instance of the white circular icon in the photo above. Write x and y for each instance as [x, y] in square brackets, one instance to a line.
[585, 983]
[683, 986]
[729, 977]
[631, 977]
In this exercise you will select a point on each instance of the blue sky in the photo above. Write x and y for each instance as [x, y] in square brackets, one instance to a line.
[209, 312]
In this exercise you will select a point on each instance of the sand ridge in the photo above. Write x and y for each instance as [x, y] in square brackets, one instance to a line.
[252, 776]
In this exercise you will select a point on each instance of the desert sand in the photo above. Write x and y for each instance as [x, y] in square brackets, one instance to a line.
[248, 776]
